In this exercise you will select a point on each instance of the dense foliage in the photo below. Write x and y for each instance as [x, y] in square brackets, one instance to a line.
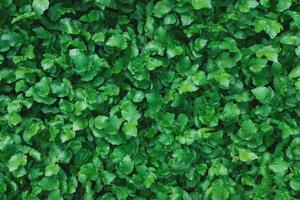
[139, 99]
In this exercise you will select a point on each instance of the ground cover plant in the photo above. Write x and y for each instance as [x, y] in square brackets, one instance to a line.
[139, 99]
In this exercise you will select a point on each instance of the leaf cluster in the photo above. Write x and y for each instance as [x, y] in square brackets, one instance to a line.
[161, 99]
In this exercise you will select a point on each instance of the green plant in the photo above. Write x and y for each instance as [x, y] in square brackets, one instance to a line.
[137, 99]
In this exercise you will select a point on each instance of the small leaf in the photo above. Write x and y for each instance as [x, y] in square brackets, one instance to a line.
[263, 94]
[99, 37]
[79, 124]
[283, 5]
[126, 166]
[99, 121]
[295, 73]
[16, 161]
[161, 8]
[295, 185]
[49, 183]
[107, 177]
[187, 86]
[80, 60]
[200, 4]
[68, 134]
[279, 166]
[130, 128]
[154, 63]
[40, 6]
[271, 27]
[117, 41]
[247, 156]
[51, 170]
[231, 112]
[149, 180]
[14, 118]
[219, 190]
[247, 5]
[267, 51]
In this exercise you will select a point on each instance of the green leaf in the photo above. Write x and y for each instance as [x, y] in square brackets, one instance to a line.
[246, 5]
[55, 195]
[40, 6]
[295, 73]
[293, 150]
[222, 78]
[24, 16]
[161, 8]
[49, 183]
[265, 3]
[117, 41]
[267, 51]
[154, 63]
[271, 27]
[263, 94]
[87, 172]
[70, 26]
[219, 191]
[200, 4]
[14, 118]
[99, 37]
[47, 63]
[99, 121]
[297, 51]
[201, 169]
[107, 177]
[184, 66]
[256, 65]
[279, 166]
[51, 170]
[16, 161]
[80, 60]
[295, 185]
[42, 88]
[219, 169]
[246, 155]
[174, 50]
[92, 16]
[33, 129]
[231, 111]
[112, 125]
[187, 86]
[225, 61]
[290, 39]
[129, 111]
[126, 166]
[79, 124]
[149, 180]
[68, 134]
[35, 154]
[121, 192]
[130, 128]
[283, 5]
